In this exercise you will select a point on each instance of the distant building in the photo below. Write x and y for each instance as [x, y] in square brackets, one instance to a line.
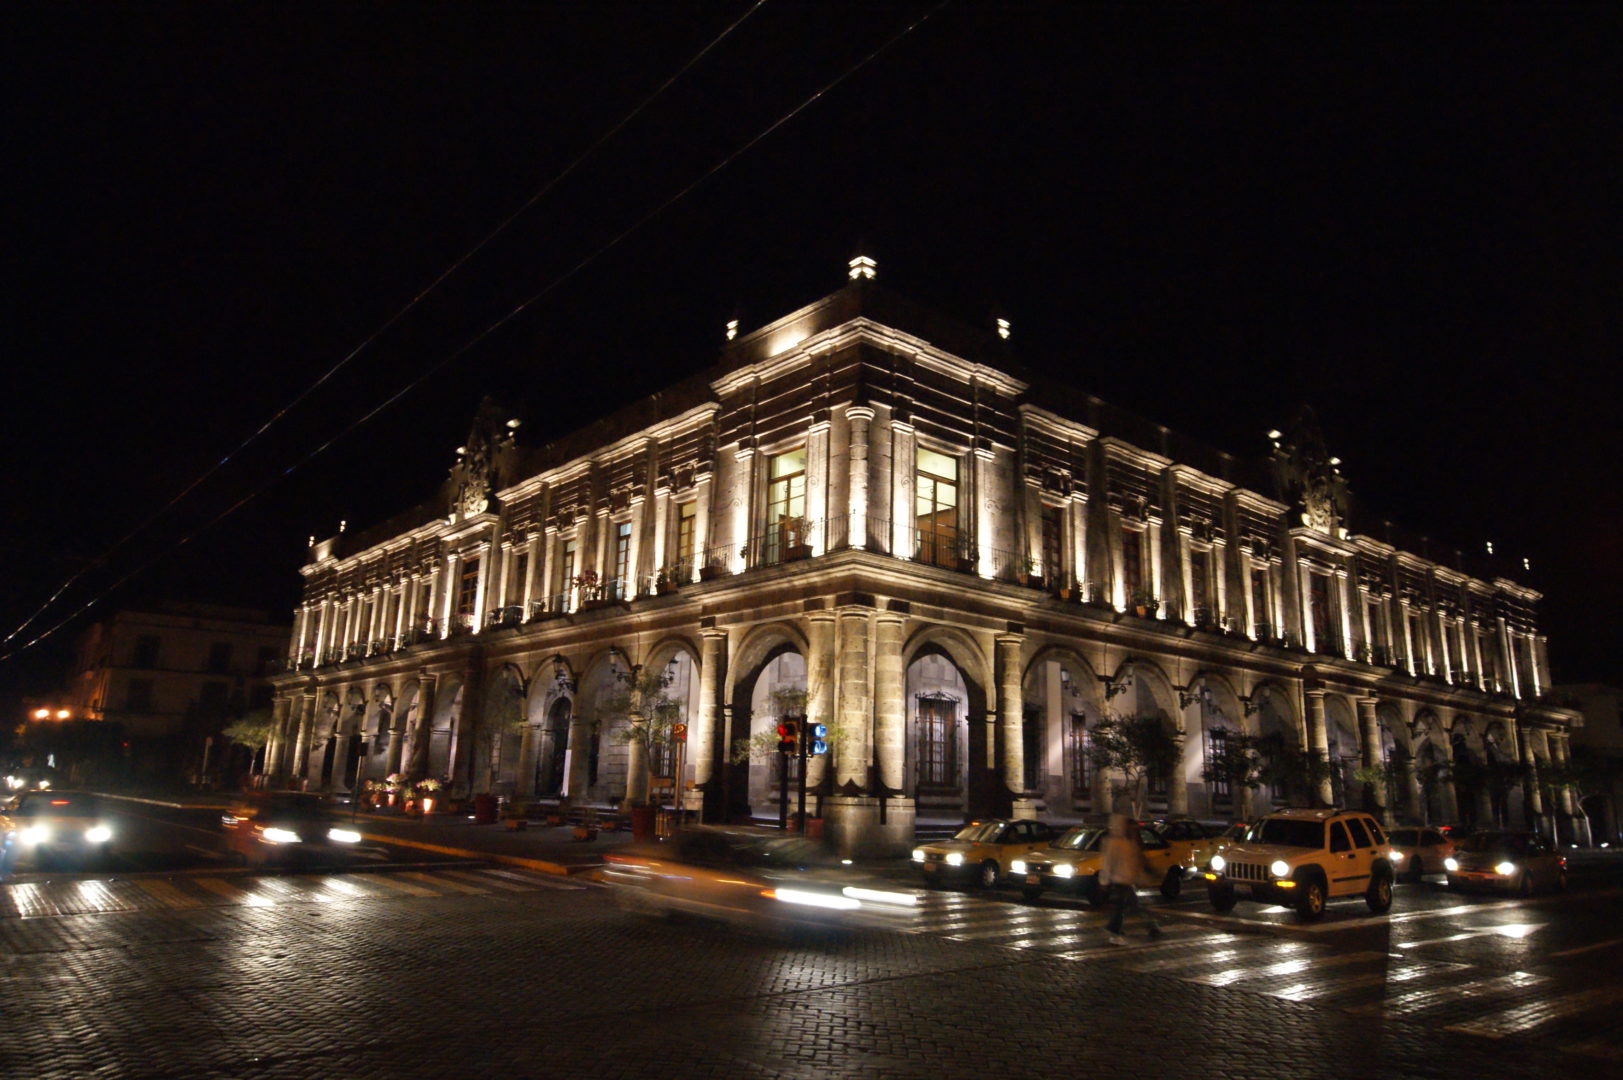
[872, 516]
[1602, 733]
[169, 678]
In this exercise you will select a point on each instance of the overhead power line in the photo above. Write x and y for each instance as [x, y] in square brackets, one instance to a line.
[461, 350]
[387, 324]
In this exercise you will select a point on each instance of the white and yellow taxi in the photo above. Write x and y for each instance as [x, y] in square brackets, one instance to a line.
[1192, 843]
[1072, 863]
[981, 852]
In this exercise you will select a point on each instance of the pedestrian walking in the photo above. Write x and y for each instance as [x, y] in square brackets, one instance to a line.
[1122, 870]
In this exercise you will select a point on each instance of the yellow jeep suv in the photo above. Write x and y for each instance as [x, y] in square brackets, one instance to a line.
[1303, 858]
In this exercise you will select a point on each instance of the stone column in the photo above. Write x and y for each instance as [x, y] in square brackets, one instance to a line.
[701, 522]
[660, 557]
[708, 796]
[1532, 798]
[903, 474]
[636, 770]
[821, 533]
[276, 746]
[340, 758]
[889, 701]
[1450, 795]
[1318, 745]
[852, 755]
[1369, 753]
[1011, 723]
[527, 586]
[525, 787]
[417, 763]
[820, 687]
[857, 461]
[301, 744]
[391, 759]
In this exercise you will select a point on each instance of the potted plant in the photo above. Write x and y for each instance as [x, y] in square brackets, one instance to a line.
[1144, 604]
[710, 572]
[1028, 573]
[665, 582]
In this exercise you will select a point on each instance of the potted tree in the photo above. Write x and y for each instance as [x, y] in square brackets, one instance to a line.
[1144, 605]
[646, 715]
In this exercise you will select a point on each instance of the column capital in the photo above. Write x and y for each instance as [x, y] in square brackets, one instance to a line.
[859, 412]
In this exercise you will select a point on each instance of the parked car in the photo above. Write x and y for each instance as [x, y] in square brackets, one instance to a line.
[750, 878]
[51, 827]
[981, 852]
[284, 827]
[1520, 862]
[1072, 862]
[1303, 858]
[1192, 843]
[1419, 850]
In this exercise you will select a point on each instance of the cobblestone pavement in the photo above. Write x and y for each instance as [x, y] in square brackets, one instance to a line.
[473, 972]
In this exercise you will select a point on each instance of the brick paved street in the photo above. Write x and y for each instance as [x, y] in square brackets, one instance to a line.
[500, 972]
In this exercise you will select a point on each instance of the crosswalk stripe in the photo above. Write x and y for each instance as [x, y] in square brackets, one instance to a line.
[1538, 1013]
[1232, 951]
[1416, 1001]
[32, 901]
[231, 892]
[454, 886]
[410, 888]
[478, 877]
[1313, 988]
[167, 894]
[1243, 974]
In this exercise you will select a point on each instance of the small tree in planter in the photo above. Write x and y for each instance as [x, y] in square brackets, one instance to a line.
[1136, 748]
[642, 703]
[253, 729]
[1290, 769]
[1234, 759]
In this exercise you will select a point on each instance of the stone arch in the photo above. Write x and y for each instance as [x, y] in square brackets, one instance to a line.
[1431, 757]
[1062, 690]
[945, 736]
[678, 657]
[1278, 733]
[770, 658]
[961, 648]
[1397, 754]
[598, 771]
[445, 720]
[498, 737]
[1150, 694]
[379, 719]
[1342, 748]
[1218, 715]
[405, 721]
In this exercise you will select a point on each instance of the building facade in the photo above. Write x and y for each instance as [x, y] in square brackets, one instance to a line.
[872, 513]
[167, 679]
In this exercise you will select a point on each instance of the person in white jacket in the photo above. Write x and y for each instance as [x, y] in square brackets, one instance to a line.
[1121, 870]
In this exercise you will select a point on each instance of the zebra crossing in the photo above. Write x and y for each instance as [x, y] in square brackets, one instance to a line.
[1398, 985]
[55, 898]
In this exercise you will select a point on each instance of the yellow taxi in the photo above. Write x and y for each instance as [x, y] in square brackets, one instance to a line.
[1072, 862]
[1192, 843]
[981, 852]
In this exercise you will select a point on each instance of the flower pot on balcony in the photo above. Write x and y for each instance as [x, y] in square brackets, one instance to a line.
[796, 551]
[711, 573]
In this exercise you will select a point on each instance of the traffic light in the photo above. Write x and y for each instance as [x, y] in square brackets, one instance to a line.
[788, 736]
[816, 738]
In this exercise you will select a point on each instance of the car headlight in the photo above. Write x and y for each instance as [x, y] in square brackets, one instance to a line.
[1018, 866]
[1280, 868]
[1218, 863]
[98, 835]
[918, 854]
[881, 896]
[1064, 870]
[813, 899]
[1397, 856]
[35, 834]
[1505, 869]
[1451, 864]
[955, 858]
[274, 835]
[343, 836]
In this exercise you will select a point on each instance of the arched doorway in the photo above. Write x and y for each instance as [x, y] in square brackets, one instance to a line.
[447, 711]
[375, 734]
[500, 733]
[1277, 747]
[777, 693]
[1215, 791]
[938, 743]
[1061, 696]
[1342, 750]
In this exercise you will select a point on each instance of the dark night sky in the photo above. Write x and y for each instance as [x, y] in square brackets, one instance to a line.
[1207, 215]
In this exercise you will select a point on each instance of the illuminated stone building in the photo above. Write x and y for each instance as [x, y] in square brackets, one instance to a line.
[964, 569]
